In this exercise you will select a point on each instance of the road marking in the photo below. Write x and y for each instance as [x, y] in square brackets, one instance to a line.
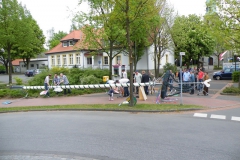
[218, 116]
[204, 115]
[235, 118]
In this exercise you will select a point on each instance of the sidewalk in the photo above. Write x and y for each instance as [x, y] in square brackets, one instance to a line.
[211, 101]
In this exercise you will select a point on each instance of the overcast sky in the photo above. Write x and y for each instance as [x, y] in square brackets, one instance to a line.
[57, 13]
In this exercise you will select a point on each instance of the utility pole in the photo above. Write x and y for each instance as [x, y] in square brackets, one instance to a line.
[181, 54]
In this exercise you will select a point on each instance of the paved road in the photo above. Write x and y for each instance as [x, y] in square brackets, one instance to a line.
[4, 78]
[107, 135]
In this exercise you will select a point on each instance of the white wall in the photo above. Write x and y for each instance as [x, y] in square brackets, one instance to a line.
[34, 63]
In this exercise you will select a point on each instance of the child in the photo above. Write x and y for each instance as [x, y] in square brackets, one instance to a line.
[111, 90]
[110, 93]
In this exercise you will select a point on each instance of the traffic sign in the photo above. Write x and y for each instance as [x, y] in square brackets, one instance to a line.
[182, 53]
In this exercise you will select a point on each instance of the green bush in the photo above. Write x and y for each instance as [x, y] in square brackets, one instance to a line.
[75, 76]
[18, 80]
[169, 66]
[231, 90]
[2, 68]
[235, 76]
[3, 92]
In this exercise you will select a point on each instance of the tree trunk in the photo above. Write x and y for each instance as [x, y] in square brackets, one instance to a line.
[10, 66]
[131, 103]
[6, 67]
[155, 61]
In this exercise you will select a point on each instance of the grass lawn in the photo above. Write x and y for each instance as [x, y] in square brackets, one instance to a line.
[107, 107]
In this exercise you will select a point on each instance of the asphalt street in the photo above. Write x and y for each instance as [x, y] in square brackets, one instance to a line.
[118, 135]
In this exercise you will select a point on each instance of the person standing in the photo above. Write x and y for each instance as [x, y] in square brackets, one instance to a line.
[124, 74]
[200, 80]
[192, 81]
[46, 84]
[64, 80]
[205, 89]
[137, 79]
[186, 77]
[145, 79]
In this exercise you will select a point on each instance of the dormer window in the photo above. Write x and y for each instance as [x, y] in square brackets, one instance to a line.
[65, 44]
[71, 43]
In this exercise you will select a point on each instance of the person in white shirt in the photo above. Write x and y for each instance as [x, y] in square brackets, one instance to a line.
[124, 73]
[126, 91]
[46, 84]
[137, 79]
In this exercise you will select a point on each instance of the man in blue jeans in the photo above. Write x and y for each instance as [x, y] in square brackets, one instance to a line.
[64, 80]
[46, 84]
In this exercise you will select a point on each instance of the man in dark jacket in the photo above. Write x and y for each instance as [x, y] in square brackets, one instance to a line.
[145, 79]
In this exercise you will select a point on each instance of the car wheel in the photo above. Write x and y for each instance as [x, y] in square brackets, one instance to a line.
[218, 78]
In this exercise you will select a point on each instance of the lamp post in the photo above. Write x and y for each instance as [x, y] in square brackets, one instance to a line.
[235, 60]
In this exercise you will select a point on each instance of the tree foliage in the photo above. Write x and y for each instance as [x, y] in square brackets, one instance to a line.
[101, 29]
[190, 36]
[20, 37]
[136, 17]
[55, 39]
[160, 33]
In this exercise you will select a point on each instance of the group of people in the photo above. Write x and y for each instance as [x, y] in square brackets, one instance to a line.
[142, 77]
[192, 77]
[57, 80]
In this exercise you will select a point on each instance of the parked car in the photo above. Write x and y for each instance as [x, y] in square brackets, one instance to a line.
[37, 71]
[224, 74]
[2, 72]
[29, 73]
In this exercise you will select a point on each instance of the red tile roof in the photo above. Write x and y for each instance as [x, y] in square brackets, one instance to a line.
[73, 35]
[77, 35]
[16, 62]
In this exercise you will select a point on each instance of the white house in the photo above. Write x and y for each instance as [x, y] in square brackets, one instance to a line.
[72, 53]
[33, 64]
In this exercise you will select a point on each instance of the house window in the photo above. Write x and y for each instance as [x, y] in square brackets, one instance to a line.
[70, 59]
[105, 60]
[65, 44]
[64, 59]
[89, 60]
[53, 60]
[58, 60]
[167, 58]
[77, 58]
[118, 59]
[71, 43]
[32, 65]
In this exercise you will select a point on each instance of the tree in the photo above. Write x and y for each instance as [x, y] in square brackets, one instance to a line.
[190, 36]
[55, 38]
[229, 13]
[132, 12]
[13, 30]
[160, 33]
[102, 33]
[35, 45]
[215, 26]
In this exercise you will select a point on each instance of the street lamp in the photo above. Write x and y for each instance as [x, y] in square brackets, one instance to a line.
[235, 59]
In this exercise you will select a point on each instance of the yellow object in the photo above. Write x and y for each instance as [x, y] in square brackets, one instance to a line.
[105, 78]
